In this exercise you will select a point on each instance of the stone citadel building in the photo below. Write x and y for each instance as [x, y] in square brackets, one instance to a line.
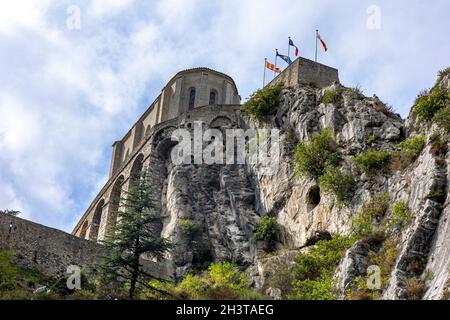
[193, 94]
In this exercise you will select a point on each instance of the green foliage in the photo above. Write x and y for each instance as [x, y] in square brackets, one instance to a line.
[355, 90]
[442, 74]
[314, 269]
[366, 223]
[438, 145]
[313, 289]
[322, 258]
[267, 229]
[263, 102]
[222, 281]
[407, 153]
[401, 216]
[442, 118]
[412, 146]
[311, 158]
[372, 162]
[385, 259]
[136, 233]
[190, 228]
[331, 96]
[8, 272]
[371, 139]
[280, 275]
[339, 184]
[428, 104]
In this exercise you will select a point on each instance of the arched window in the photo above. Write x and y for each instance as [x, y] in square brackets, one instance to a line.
[116, 194]
[84, 230]
[136, 169]
[95, 225]
[212, 97]
[191, 98]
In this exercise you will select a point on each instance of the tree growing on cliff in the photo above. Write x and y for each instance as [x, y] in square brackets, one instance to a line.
[136, 234]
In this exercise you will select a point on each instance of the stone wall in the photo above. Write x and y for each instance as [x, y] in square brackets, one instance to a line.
[46, 249]
[305, 71]
[51, 251]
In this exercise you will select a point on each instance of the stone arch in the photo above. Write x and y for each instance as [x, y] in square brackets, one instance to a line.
[95, 224]
[164, 149]
[162, 134]
[220, 121]
[136, 169]
[138, 134]
[84, 228]
[114, 202]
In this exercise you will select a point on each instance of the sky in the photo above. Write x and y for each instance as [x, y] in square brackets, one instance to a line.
[75, 75]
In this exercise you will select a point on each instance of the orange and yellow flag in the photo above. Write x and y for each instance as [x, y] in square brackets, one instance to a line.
[272, 67]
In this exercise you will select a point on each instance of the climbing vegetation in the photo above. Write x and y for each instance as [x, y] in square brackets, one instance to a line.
[311, 158]
[401, 215]
[442, 118]
[407, 152]
[263, 102]
[372, 162]
[428, 103]
[314, 269]
[222, 281]
[338, 183]
[367, 222]
[332, 96]
[267, 230]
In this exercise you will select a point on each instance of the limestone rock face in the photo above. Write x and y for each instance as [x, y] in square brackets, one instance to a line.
[225, 201]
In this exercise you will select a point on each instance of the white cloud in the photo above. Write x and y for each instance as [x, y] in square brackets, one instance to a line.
[108, 7]
[66, 95]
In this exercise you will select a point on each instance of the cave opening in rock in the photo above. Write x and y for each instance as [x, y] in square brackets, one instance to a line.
[313, 197]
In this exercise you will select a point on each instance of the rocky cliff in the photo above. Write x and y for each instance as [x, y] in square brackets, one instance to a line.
[212, 209]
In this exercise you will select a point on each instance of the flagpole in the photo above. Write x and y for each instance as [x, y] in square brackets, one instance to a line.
[264, 76]
[315, 57]
[276, 55]
[289, 46]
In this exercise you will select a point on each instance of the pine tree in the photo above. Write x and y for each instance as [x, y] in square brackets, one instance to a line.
[135, 233]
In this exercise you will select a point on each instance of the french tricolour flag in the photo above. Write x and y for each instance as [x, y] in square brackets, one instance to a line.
[291, 43]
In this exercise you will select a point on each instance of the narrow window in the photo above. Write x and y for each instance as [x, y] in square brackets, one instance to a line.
[191, 98]
[212, 97]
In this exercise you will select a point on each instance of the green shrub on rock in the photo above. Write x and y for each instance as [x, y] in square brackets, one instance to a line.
[222, 281]
[428, 104]
[372, 162]
[331, 96]
[311, 158]
[190, 228]
[401, 215]
[339, 184]
[267, 230]
[412, 146]
[314, 269]
[442, 118]
[408, 151]
[367, 221]
[263, 102]
[8, 272]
